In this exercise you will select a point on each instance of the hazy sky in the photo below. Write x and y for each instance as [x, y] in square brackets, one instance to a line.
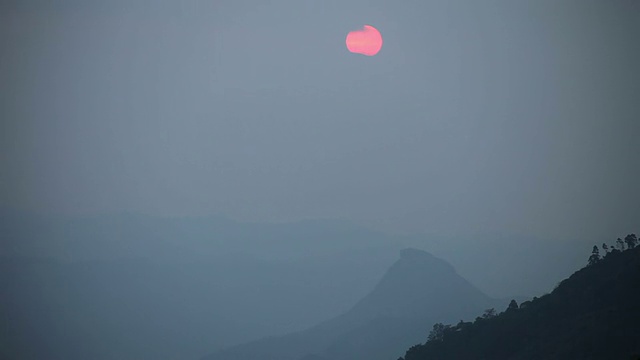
[514, 117]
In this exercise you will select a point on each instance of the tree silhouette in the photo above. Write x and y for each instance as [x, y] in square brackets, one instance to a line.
[513, 305]
[438, 331]
[489, 313]
[595, 256]
[631, 240]
[620, 244]
[605, 248]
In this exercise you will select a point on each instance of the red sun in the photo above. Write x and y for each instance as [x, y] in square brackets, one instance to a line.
[367, 41]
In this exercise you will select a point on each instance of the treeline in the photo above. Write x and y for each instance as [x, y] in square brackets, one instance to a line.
[631, 241]
[594, 314]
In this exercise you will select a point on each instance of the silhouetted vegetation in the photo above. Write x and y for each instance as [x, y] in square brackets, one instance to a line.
[631, 240]
[595, 256]
[594, 314]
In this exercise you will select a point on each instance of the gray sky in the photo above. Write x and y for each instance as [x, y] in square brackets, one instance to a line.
[511, 117]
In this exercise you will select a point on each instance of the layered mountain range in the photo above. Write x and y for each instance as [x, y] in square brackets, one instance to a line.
[417, 291]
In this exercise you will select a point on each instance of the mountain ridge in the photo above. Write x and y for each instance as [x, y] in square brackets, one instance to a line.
[419, 289]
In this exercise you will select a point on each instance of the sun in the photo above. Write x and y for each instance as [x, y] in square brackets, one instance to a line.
[366, 41]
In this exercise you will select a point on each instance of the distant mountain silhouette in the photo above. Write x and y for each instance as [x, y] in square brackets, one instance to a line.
[417, 291]
[594, 314]
[133, 286]
[117, 236]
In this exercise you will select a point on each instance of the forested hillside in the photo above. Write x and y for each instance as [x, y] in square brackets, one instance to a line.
[594, 314]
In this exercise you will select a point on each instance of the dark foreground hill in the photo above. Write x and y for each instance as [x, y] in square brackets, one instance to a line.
[417, 291]
[594, 314]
